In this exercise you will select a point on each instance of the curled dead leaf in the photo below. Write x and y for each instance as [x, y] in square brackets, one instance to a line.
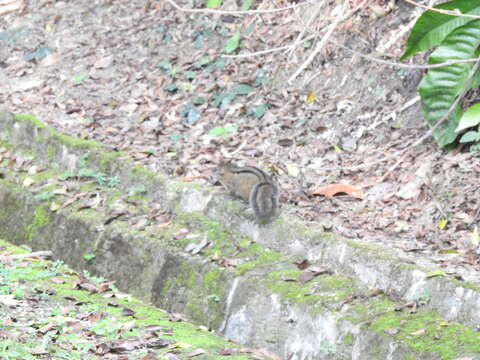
[334, 189]
[306, 277]
[418, 332]
[392, 331]
[196, 353]
[302, 265]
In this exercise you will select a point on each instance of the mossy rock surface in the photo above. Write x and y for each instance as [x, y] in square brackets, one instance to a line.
[182, 248]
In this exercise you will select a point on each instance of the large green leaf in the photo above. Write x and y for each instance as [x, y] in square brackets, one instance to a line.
[470, 118]
[433, 27]
[475, 80]
[441, 86]
[213, 4]
[233, 42]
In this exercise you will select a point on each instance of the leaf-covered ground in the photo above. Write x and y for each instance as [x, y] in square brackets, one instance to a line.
[48, 311]
[152, 80]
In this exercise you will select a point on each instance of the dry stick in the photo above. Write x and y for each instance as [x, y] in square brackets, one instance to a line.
[455, 12]
[267, 51]
[406, 66]
[254, 18]
[439, 122]
[365, 56]
[38, 254]
[427, 135]
[416, 143]
[238, 12]
[326, 38]
[321, 44]
[405, 106]
[305, 27]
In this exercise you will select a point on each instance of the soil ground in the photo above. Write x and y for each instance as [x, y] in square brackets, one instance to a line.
[149, 79]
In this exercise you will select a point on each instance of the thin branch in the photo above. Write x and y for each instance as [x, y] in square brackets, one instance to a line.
[262, 52]
[414, 144]
[322, 43]
[455, 12]
[439, 122]
[239, 12]
[406, 66]
[365, 56]
[37, 254]
[307, 25]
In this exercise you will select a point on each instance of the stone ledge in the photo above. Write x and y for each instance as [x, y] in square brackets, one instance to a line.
[258, 302]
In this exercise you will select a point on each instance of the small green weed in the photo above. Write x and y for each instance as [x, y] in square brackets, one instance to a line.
[137, 190]
[90, 174]
[88, 257]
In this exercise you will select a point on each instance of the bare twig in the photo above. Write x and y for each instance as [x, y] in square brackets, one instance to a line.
[412, 145]
[37, 254]
[262, 52]
[321, 44]
[362, 55]
[365, 56]
[307, 25]
[438, 123]
[455, 12]
[239, 12]
[406, 66]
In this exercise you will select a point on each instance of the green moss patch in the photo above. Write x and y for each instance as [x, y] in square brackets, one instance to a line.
[85, 318]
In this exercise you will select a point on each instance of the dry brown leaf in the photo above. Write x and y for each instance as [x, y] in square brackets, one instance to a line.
[50, 326]
[149, 356]
[392, 331]
[333, 189]
[50, 59]
[419, 332]
[195, 353]
[306, 277]
[181, 233]
[10, 5]
[163, 225]
[9, 300]
[56, 280]
[302, 265]
[176, 317]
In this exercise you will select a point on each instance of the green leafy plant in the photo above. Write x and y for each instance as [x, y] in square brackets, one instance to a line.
[90, 174]
[88, 256]
[213, 4]
[19, 293]
[421, 295]
[247, 4]
[456, 38]
[241, 89]
[225, 98]
[137, 190]
[223, 130]
[82, 162]
[203, 61]
[233, 43]
[172, 87]
[167, 66]
[47, 195]
[95, 279]
[260, 110]
[213, 297]
[79, 78]
[471, 119]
